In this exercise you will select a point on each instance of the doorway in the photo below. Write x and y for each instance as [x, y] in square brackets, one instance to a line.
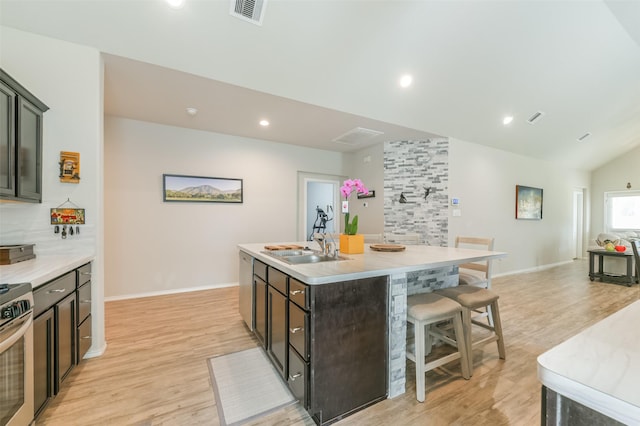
[318, 197]
[578, 223]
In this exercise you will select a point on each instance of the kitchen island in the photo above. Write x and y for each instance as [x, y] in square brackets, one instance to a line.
[592, 377]
[353, 313]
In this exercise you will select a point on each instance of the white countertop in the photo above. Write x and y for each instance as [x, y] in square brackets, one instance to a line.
[42, 269]
[371, 263]
[600, 367]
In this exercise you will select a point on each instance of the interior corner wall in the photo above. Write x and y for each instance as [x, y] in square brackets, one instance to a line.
[367, 164]
[155, 247]
[484, 180]
[613, 176]
[68, 78]
[416, 185]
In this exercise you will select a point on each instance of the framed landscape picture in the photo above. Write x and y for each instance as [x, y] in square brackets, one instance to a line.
[201, 189]
[528, 202]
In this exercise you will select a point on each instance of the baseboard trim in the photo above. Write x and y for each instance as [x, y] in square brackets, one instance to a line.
[93, 353]
[166, 292]
[535, 269]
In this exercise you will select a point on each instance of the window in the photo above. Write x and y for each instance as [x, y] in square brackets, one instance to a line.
[622, 211]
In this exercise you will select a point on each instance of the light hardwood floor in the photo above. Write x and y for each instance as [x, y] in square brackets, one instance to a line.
[154, 371]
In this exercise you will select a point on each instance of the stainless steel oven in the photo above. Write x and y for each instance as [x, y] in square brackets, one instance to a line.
[16, 354]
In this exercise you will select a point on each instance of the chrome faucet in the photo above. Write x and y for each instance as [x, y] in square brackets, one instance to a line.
[327, 248]
[321, 240]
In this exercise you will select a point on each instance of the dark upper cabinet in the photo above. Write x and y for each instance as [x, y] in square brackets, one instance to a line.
[21, 116]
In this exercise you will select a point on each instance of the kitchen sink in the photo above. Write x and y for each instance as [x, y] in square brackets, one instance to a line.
[297, 257]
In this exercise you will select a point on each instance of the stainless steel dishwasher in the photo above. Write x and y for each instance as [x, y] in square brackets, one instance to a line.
[245, 292]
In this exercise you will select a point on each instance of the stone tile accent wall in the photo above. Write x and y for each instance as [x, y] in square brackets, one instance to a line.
[411, 168]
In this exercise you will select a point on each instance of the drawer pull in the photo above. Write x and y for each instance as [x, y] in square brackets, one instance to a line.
[295, 376]
[85, 301]
[295, 329]
[86, 337]
[57, 290]
[296, 292]
[85, 273]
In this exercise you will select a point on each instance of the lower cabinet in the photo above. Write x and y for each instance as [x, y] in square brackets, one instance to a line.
[43, 350]
[326, 340]
[62, 321]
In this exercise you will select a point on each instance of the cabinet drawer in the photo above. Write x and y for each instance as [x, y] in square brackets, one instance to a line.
[84, 274]
[84, 302]
[297, 380]
[49, 294]
[84, 338]
[299, 293]
[298, 330]
[277, 280]
[260, 269]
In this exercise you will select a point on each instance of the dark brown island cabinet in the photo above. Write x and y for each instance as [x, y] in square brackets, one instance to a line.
[61, 331]
[329, 341]
[21, 115]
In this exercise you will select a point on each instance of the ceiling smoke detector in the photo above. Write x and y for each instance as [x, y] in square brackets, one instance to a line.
[535, 117]
[248, 10]
[357, 136]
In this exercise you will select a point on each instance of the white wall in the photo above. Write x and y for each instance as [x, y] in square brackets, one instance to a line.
[484, 179]
[368, 165]
[613, 176]
[155, 247]
[68, 78]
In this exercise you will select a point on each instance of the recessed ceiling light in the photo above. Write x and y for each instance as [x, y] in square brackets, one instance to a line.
[508, 119]
[264, 123]
[406, 80]
[175, 4]
[192, 111]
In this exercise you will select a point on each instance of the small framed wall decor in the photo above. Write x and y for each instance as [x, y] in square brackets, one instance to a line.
[201, 189]
[528, 202]
[69, 167]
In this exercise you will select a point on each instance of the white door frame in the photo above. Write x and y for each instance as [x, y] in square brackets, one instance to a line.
[578, 223]
[303, 179]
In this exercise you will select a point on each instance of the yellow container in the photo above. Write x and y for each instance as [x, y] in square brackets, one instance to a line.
[352, 244]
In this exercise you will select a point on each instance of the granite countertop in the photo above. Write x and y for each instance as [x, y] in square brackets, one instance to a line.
[371, 263]
[599, 367]
[42, 269]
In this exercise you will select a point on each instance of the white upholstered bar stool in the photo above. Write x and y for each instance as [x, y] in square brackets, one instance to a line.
[473, 298]
[423, 311]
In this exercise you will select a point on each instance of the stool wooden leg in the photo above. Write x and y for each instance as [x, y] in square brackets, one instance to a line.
[419, 333]
[462, 345]
[495, 313]
[466, 326]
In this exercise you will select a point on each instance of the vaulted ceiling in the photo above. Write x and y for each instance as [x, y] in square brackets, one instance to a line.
[317, 69]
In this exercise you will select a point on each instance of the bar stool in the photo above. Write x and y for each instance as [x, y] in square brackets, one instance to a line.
[472, 298]
[425, 310]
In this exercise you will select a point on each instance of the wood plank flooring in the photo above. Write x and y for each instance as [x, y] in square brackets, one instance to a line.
[154, 371]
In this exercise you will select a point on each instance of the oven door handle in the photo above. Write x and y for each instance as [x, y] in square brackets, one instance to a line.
[15, 336]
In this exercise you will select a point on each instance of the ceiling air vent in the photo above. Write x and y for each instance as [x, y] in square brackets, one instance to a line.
[535, 117]
[357, 136]
[583, 137]
[248, 10]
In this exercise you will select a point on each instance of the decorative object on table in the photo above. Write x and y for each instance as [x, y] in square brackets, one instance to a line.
[69, 167]
[620, 248]
[609, 244]
[528, 202]
[387, 247]
[350, 242]
[65, 216]
[201, 189]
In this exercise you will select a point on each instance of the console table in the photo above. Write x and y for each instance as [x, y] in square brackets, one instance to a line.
[627, 278]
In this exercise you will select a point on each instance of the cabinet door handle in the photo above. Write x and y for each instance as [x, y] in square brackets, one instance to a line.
[296, 292]
[86, 337]
[85, 273]
[295, 329]
[85, 301]
[57, 290]
[295, 376]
